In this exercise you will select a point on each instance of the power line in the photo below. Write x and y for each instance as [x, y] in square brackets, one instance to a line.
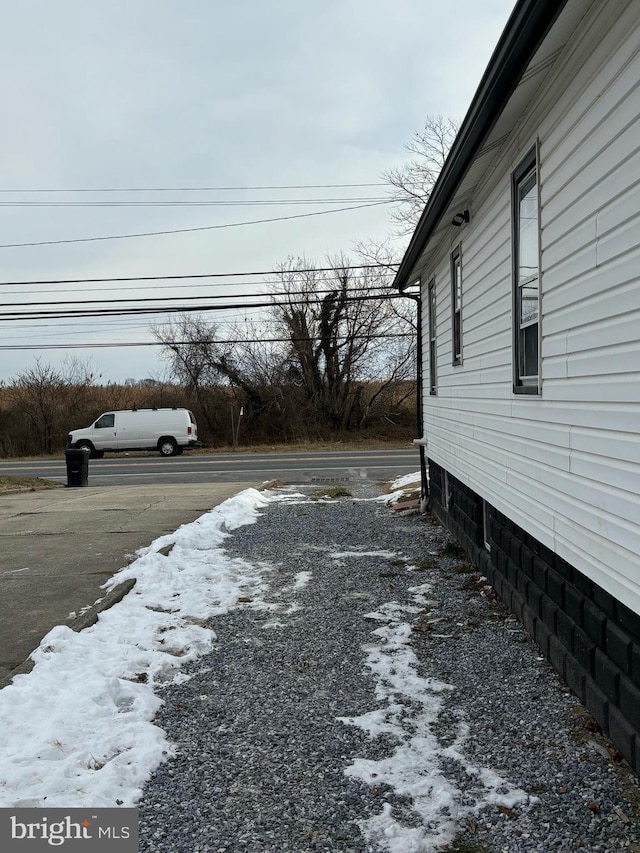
[189, 230]
[172, 287]
[244, 315]
[98, 326]
[114, 326]
[10, 316]
[139, 299]
[187, 189]
[208, 203]
[120, 344]
[199, 275]
[241, 316]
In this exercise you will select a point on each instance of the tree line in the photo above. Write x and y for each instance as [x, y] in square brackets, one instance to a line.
[41, 406]
[338, 360]
[333, 355]
[338, 355]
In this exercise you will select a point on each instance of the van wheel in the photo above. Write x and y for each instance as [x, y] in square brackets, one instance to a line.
[168, 446]
[88, 446]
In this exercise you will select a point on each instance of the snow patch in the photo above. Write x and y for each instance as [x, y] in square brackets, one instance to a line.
[77, 730]
[410, 706]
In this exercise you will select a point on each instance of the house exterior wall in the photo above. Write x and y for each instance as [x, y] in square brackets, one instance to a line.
[564, 466]
[591, 638]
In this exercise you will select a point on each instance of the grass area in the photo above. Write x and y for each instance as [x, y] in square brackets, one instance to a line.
[464, 569]
[452, 549]
[419, 566]
[333, 492]
[425, 565]
[26, 484]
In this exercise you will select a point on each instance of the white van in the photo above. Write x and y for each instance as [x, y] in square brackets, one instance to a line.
[168, 431]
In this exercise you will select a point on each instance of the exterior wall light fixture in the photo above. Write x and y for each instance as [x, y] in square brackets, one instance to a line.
[461, 217]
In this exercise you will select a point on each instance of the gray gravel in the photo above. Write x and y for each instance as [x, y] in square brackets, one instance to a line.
[260, 750]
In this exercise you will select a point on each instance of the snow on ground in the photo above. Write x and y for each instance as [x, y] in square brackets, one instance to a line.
[406, 480]
[89, 702]
[78, 731]
[385, 555]
[399, 487]
[411, 706]
[301, 580]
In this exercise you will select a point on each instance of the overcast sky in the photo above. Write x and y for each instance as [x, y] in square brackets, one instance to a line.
[155, 94]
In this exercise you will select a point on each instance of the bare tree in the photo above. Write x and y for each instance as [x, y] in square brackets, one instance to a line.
[411, 184]
[329, 352]
[189, 346]
[47, 396]
[339, 325]
[243, 367]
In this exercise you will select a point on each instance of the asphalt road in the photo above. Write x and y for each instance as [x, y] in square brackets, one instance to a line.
[294, 467]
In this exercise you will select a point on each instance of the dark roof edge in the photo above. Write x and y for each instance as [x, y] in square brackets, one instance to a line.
[526, 28]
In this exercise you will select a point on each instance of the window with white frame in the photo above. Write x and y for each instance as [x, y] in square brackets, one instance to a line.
[431, 292]
[526, 276]
[456, 305]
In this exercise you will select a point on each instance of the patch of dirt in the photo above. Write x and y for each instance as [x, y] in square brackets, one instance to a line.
[27, 484]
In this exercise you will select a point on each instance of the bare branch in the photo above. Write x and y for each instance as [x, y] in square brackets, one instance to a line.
[411, 184]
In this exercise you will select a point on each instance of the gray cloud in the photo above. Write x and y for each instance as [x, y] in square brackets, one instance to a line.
[203, 92]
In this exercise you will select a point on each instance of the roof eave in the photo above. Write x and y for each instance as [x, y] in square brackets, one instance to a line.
[525, 30]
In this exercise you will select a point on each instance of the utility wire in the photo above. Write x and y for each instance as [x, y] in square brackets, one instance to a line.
[139, 299]
[197, 343]
[9, 316]
[243, 316]
[251, 283]
[21, 332]
[186, 189]
[208, 203]
[198, 275]
[176, 287]
[189, 230]
[119, 325]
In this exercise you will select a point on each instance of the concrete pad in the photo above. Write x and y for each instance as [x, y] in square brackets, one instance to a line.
[57, 548]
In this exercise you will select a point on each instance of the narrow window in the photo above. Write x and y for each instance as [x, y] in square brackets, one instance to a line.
[446, 491]
[526, 276]
[456, 303]
[486, 525]
[432, 337]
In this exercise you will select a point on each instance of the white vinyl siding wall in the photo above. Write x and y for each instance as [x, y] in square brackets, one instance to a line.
[565, 466]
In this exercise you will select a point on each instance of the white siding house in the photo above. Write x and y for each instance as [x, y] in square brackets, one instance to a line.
[531, 361]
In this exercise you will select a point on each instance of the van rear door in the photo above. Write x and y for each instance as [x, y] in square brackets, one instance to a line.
[192, 429]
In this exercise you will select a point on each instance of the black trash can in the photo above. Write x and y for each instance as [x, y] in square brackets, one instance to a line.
[77, 466]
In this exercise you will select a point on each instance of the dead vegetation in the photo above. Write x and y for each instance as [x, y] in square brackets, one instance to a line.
[26, 484]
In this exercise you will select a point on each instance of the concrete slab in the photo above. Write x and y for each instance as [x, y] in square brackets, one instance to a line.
[58, 547]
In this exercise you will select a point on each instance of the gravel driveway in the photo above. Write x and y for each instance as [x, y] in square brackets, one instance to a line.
[375, 696]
